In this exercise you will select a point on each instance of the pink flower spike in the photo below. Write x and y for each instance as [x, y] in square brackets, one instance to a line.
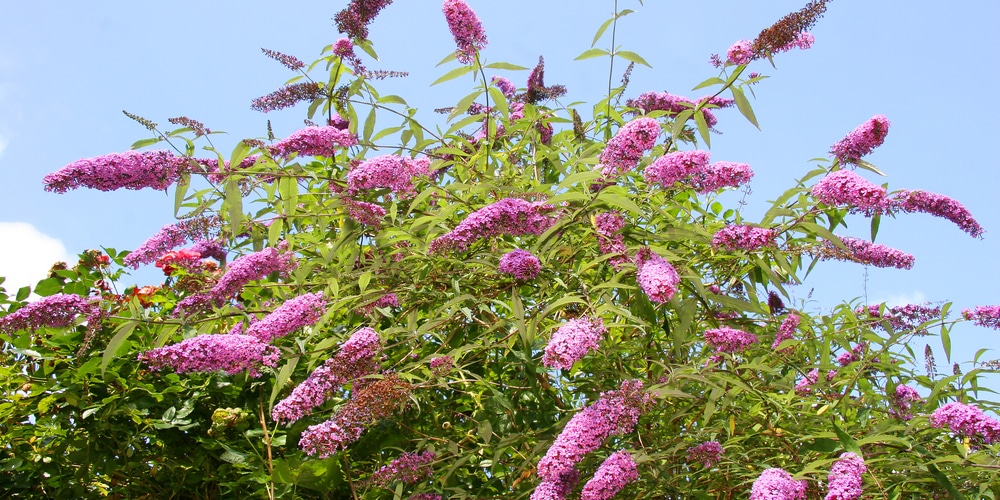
[626, 148]
[520, 264]
[614, 473]
[572, 341]
[986, 316]
[942, 206]
[470, 37]
[777, 484]
[742, 237]
[845, 477]
[862, 140]
[656, 276]
[846, 188]
[129, 170]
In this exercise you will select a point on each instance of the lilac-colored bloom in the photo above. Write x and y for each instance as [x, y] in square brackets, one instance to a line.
[239, 273]
[209, 249]
[520, 264]
[57, 311]
[740, 52]
[356, 358]
[387, 300]
[387, 171]
[408, 468]
[804, 386]
[572, 341]
[743, 237]
[777, 484]
[939, 205]
[296, 313]
[901, 401]
[862, 140]
[355, 18]
[656, 276]
[507, 87]
[846, 188]
[708, 453]
[168, 238]
[558, 488]
[721, 175]
[900, 318]
[614, 473]
[365, 213]
[470, 37]
[624, 150]
[129, 170]
[845, 477]
[866, 252]
[967, 421]
[511, 216]
[441, 365]
[648, 102]
[291, 62]
[986, 316]
[615, 412]
[344, 49]
[314, 141]
[609, 237]
[227, 353]
[676, 167]
[725, 339]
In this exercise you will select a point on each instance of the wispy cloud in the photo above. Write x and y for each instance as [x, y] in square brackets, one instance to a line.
[26, 255]
[916, 297]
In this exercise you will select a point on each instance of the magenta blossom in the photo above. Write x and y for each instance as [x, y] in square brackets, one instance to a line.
[675, 167]
[731, 340]
[520, 264]
[614, 473]
[777, 484]
[740, 52]
[470, 37]
[129, 170]
[866, 252]
[720, 175]
[314, 141]
[708, 453]
[572, 341]
[409, 468]
[848, 189]
[939, 205]
[967, 421]
[609, 237]
[512, 216]
[57, 311]
[987, 316]
[229, 353]
[387, 171]
[862, 140]
[743, 237]
[558, 488]
[845, 477]
[656, 276]
[626, 148]
[901, 401]
[168, 238]
[787, 329]
[295, 313]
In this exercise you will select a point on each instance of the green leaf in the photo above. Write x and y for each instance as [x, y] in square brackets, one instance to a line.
[392, 99]
[591, 53]
[945, 483]
[869, 167]
[744, 105]
[709, 83]
[847, 441]
[121, 335]
[48, 286]
[601, 30]
[507, 66]
[281, 379]
[876, 220]
[141, 143]
[363, 280]
[699, 119]
[455, 73]
[180, 192]
[369, 126]
[630, 56]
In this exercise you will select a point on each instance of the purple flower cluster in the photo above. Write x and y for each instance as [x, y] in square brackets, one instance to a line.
[744, 51]
[356, 358]
[742, 237]
[168, 238]
[648, 102]
[777, 484]
[866, 252]
[609, 237]
[512, 216]
[787, 329]
[57, 311]
[624, 150]
[967, 421]
[845, 477]
[572, 341]
[740, 52]
[846, 188]
[986, 316]
[387, 300]
[229, 353]
[354, 20]
[387, 171]
[441, 365]
[368, 405]
[731, 340]
[939, 205]
[862, 140]
[129, 170]
[314, 141]
[656, 276]
[408, 468]
[804, 386]
[507, 87]
[708, 453]
[365, 213]
[557, 488]
[722, 174]
[288, 96]
[901, 401]
[900, 318]
[344, 49]
[615, 412]
[520, 264]
[296, 313]
[241, 271]
[676, 167]
[209, 249]
[470, 37]
[291, 62]
[614, 473]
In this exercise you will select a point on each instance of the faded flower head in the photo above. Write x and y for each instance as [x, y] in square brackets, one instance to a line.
[354, 20]
[708, 453]
[288, 96]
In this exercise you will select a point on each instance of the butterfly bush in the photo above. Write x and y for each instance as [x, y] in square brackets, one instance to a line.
[675, 167]
[465, 26]
[708, 453]
[615, 412]
[731, 340]
[901, 318]
[557, 488]
[743, 237]
[239, 273]
[168, 238]
[520, 264]
[228, 353]
[848, 189]
[293, 314]
[942, 206]
[720, 175]
[572, 341]
[355, 359]
[901, 400]
[656, 276]
[862, 140]
[314, 141]
[614, 473]
[409, 468]
[510, 216]
[845, 477]
[626, 148]
[356, 17]
[387, 171]
[609, 238]
[987, 316]
[368, 405]
[967, 422]
[57, 311]
[777, 484]
[129, 170]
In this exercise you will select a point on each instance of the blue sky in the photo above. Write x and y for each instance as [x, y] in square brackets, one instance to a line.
[67, 69]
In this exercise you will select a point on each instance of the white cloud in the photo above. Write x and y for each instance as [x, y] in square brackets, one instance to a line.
[26, 255]
[894, 300]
